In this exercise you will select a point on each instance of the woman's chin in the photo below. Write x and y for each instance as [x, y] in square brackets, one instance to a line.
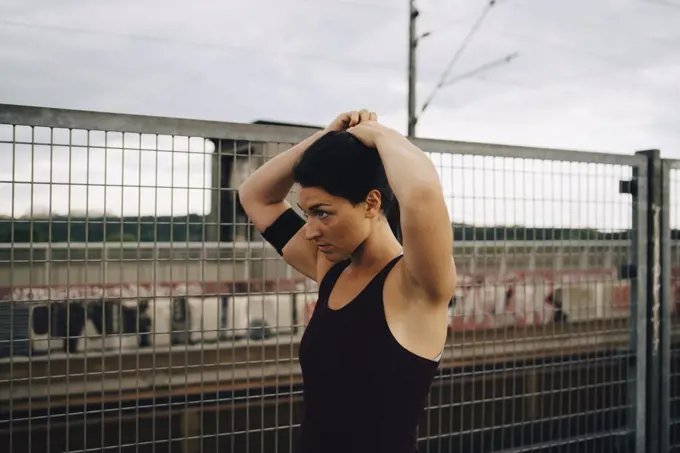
[334, 255]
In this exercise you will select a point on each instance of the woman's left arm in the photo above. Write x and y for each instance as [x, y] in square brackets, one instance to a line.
[425, 224]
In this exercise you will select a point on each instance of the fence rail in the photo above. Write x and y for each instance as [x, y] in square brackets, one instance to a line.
[141, 311]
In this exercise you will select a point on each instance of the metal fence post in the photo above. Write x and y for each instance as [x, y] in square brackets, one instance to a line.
[665, 315]
[635, 271]
[648, 308]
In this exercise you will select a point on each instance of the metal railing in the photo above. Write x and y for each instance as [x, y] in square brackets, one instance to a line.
[141, 311]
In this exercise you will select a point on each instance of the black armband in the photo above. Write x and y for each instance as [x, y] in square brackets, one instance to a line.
[283, 229]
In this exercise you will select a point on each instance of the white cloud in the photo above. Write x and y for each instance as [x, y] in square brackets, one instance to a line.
[597, 76]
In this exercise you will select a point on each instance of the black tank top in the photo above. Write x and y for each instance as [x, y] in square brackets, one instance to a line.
[363, 391]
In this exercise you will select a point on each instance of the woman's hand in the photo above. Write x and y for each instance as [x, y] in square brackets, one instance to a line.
[350, 119]
[370, 132]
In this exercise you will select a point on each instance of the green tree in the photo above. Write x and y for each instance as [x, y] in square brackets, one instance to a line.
[117, 237]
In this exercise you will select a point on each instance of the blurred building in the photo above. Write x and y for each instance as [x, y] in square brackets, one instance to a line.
[233, 162]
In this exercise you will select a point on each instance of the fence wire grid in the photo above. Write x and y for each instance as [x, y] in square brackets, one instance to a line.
[141, 311]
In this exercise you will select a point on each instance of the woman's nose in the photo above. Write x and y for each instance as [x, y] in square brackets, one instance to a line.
[311, 232]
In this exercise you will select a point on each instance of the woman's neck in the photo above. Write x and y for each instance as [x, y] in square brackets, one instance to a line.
[377, 250]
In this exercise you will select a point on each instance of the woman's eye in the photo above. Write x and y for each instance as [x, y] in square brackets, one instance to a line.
[320, 214]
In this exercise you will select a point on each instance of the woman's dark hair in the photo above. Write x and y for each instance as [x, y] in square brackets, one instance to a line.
[343, 166]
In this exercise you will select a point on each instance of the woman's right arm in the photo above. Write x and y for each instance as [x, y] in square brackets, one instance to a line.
[263, 197]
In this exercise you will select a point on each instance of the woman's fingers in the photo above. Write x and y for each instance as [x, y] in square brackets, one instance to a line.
[354, 119]
[358, 116]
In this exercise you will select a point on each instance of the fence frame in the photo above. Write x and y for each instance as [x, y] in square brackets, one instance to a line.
[664, 386]
[636, 271]
[142, 124]
[649, 269]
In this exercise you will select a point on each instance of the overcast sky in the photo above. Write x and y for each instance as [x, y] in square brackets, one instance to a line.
[593, 75]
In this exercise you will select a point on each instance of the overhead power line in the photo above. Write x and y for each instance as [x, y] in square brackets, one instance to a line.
[487, 66]
[444, 78]
[464, 45]
[206, 45]
[665, 3]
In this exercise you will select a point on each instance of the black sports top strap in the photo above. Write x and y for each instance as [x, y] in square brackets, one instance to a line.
[329, 280]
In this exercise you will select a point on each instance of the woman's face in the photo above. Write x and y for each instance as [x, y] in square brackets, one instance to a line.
[336, 226]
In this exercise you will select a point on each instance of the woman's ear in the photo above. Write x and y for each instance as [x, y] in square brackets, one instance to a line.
[373, 203]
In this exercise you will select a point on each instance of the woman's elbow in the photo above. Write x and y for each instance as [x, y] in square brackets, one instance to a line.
[246, 195]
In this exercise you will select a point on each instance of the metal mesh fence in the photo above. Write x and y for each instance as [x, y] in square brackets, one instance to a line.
[673, 176]
[142, 312]
[541, 318]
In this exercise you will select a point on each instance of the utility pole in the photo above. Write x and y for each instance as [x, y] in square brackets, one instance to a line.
[412, 44]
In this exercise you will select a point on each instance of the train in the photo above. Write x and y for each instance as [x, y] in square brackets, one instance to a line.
[130, 317]
[36, 326]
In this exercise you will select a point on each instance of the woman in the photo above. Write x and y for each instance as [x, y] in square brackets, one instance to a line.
[372, 347]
